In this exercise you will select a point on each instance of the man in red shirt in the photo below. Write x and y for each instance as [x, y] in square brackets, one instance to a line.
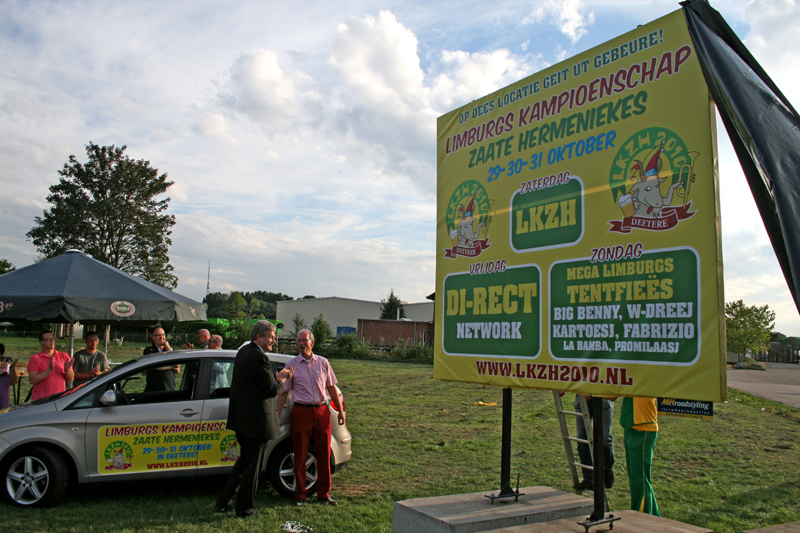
[311, 384]
[49, 370]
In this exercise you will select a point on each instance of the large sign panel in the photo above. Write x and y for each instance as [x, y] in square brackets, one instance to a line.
[578, 227]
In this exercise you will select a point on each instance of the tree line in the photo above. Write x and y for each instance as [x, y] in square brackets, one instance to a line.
[237, 304]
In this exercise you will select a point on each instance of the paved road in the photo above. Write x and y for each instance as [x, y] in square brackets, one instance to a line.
[780, 382]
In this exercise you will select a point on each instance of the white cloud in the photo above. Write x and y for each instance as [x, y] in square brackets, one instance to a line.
[465, 76]
[215, 124]
[260, 89]
[568, 15]
[384, 116]
[300, 258]
[774, 40]
[378, 59]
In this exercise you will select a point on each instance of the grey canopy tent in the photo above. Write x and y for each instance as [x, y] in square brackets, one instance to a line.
[74, 286]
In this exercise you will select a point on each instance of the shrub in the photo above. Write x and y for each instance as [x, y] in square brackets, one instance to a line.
[350, 347]
[321, 330]
[413, 353]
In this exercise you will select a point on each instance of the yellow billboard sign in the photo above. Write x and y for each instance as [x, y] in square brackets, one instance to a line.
[578, 227]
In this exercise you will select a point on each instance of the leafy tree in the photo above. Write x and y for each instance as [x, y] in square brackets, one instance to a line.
[6, 266]
[309, 297]
[390, 307]
[108, 209]
[748, 327]
[298, 323]
[777, 336]
[321, 329]
[269, 297]
[236, 307]
[216, 303]
[260, 303]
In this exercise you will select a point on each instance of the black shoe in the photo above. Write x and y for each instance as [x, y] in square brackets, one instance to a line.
[250, 513]
[299, 502]
[608, 478]
[222, 509]
[584, 485]
[327, 501]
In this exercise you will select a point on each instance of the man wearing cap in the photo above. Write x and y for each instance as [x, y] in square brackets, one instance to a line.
[311, 384]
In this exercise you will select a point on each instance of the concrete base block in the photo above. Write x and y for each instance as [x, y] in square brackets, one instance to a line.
[470, 513]
[629, 522]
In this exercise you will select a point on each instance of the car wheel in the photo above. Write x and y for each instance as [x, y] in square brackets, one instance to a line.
[280, 469]
[35, 477]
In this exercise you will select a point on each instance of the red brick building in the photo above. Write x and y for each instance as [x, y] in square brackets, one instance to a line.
[393, 332]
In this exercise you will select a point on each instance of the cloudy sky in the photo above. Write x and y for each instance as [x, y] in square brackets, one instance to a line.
[301, 140]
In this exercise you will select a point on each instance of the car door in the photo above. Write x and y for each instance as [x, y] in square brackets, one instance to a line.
[218, 448]
[146, 433]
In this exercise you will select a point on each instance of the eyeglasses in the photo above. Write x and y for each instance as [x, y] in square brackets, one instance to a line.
[161, 335]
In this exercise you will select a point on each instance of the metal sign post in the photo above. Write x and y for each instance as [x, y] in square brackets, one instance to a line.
[505, 454]
[598, 514]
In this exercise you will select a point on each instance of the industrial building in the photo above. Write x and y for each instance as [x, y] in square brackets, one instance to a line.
[343, 314]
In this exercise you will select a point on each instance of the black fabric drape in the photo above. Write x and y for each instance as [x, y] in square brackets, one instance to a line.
[762, 126]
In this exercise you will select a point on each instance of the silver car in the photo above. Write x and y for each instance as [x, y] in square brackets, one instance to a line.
[110, 429]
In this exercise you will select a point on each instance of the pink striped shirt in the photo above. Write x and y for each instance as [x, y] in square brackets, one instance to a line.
[310, 379]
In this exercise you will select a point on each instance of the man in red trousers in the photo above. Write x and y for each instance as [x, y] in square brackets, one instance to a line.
[311, 384]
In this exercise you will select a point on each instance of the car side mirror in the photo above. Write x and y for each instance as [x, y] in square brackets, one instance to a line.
[108, 398]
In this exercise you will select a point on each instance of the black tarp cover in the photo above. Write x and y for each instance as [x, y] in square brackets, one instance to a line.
[762, 126]
[74, 286]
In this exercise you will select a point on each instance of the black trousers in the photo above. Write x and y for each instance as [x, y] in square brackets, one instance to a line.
[243, 479]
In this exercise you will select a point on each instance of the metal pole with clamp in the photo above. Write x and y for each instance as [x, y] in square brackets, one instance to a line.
[505, 455]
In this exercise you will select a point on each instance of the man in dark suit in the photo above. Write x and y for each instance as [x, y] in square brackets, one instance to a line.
[253, 415]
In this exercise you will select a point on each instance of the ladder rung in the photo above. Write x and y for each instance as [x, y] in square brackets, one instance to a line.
[587, 467]
[576, 439]
[576, 413]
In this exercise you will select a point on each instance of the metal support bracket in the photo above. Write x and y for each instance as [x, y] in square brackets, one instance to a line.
[610, 519]
[506, 492]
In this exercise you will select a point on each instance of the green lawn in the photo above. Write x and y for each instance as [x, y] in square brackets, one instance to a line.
[414, 436]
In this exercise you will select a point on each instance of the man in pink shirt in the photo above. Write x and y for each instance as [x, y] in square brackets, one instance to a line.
[49, 370]
[311, 384]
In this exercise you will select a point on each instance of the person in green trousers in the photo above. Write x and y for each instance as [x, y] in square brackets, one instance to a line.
[639, 419]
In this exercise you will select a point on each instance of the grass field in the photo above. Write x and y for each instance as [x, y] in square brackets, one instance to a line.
[414, 436]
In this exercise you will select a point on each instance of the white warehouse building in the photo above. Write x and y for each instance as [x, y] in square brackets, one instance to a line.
[342, 314]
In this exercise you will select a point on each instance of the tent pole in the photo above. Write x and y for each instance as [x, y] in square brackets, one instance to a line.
[71, 338]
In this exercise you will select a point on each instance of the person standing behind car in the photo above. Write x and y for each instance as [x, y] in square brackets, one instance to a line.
[219, 370]
[8, 377]
[203, 339]
[312, 382]
[49, 370]
[162, 378]
[89, 362]
[253, 415]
